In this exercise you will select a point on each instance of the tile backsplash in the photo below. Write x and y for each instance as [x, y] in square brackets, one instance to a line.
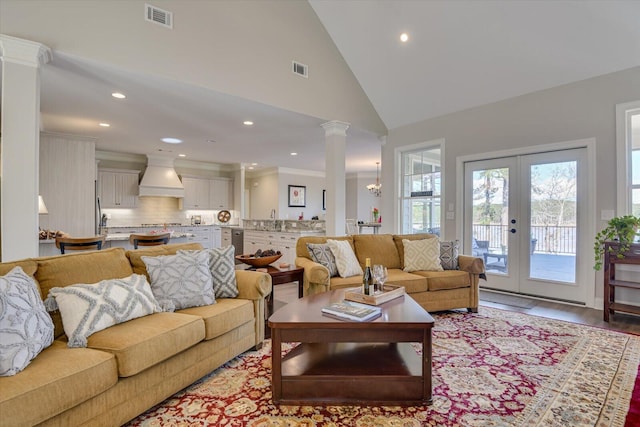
[158, 210]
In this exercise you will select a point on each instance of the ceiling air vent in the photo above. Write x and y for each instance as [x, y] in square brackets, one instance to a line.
[159, 16]
[300, 69]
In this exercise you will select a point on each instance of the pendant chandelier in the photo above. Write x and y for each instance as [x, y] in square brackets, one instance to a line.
[376, 189]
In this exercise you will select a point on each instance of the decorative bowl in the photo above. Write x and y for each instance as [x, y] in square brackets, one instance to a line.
[258, 262]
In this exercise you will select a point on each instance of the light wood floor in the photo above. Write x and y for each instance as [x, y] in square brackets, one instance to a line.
[587, 316]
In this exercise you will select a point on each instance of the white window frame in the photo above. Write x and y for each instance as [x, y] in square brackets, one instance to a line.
[623, 155]
[398, 155]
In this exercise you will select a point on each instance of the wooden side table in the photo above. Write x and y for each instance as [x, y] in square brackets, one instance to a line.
[610, 282]
[279, 276]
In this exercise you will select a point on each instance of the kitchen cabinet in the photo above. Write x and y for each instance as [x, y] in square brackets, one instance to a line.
[202, 193]
[196, 193]
[226, 237]
[278, 241]
[118, 188]
[205, 235]
[220, 194]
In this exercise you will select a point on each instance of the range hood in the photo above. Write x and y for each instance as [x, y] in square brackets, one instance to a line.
[160, 179]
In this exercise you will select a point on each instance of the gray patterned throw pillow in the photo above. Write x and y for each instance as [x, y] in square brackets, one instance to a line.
[321, 254]
[449, 252]
[180, 281]
[89, 308]
[223, 270]
[25, 326]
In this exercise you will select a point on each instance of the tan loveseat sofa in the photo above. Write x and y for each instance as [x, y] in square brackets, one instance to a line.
[433, 290]
[129, 367]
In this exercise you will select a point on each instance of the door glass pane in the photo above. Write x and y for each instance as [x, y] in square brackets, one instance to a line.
[491, 218]
[553, 221]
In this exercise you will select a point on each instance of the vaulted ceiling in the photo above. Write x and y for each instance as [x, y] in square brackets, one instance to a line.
[460, 54]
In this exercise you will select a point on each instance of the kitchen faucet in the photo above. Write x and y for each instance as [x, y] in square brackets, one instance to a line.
[273, 214]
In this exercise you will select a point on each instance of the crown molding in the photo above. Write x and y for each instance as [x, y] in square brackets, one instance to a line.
[23, 52]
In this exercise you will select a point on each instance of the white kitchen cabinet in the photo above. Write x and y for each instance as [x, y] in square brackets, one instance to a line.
[196, 193]
[283, 242]
[118, 188]
[203, 235]
[220, 193]
[226, 237]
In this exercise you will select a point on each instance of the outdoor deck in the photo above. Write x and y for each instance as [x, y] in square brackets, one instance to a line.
[543, 266]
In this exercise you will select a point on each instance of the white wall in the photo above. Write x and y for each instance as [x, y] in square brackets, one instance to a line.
[579, 110]
[360, 201]
[67, 183]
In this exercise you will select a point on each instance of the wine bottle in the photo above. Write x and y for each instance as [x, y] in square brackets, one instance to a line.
[367, 279]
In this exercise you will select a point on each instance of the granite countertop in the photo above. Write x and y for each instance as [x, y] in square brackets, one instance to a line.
[125, 236]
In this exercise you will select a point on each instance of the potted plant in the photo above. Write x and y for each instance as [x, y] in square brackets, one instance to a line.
[620, 229]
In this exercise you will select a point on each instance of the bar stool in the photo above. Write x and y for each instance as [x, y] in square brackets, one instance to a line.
[79, 243]
[149, 239]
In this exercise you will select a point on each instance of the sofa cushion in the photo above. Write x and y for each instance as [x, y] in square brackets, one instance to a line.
[449, 252]
[25, 326]
[135, 256]
[147, 341]
[182, 280]
[398, 238]
[422, 255]
[441, 280]
[321, 253]
[81, 267]
[226, 314]
[89, 308]
[58, 379]
[28, 266]
[345, 258]
[379, 247]
[223, 271]
[412, 282]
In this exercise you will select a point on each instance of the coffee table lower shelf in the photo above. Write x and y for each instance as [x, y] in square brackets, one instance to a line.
[352, 374]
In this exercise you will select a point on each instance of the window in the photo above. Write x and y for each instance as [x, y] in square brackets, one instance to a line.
[421, 190]
[628, 156]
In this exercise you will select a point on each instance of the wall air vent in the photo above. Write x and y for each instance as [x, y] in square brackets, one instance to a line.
[159, 16]
[300, 69]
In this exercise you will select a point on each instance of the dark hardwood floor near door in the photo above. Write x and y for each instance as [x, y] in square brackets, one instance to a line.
[550, 309]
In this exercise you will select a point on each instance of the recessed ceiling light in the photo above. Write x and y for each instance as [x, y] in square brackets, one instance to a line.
[118, 95]
[294, 154]
[105, 125]
[248, 123]
[404, 37]
[182, 155]
[254, 164]
[250, 168]
[212, 141]
[172, 140]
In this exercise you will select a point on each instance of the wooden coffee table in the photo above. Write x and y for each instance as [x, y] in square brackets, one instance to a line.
[351, 363]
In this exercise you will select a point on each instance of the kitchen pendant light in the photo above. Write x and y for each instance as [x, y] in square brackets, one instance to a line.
[376, 189]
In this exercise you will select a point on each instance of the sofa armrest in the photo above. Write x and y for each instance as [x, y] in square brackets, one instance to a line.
[471, 264]
[253, 285]
[315, 277]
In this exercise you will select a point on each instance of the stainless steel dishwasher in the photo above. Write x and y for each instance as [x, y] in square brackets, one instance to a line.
[237, 240]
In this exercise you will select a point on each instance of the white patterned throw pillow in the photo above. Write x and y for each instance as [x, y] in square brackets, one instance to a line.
[181, 280]
[89, 308]
[223, 270]
[423, 254]
[346, 260]
[321, 253]
[25, 326]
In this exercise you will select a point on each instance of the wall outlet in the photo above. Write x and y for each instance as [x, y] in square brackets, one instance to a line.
[606, 214]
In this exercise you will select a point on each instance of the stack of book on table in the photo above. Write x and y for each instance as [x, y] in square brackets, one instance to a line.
[349, 310]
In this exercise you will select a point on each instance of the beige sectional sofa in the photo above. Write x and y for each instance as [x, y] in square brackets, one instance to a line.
[433, 290]
[129, 367]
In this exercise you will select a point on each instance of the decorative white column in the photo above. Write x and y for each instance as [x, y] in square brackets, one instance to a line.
[335, 147]
[19, 157]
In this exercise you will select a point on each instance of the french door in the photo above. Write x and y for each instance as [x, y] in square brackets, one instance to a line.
[526, 216]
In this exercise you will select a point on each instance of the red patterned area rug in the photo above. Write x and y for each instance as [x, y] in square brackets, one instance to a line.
[494, 368]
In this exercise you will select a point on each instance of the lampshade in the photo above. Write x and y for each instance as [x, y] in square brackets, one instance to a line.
[42, 208]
